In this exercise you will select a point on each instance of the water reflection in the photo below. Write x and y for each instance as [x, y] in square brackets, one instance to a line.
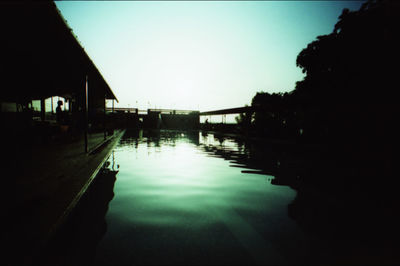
[77, 240]
[241, 154]
[255, 157]
[195, 198]
[176, 203]
[155, 136]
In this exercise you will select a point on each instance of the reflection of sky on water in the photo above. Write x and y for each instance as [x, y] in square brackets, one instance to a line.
[168, 185]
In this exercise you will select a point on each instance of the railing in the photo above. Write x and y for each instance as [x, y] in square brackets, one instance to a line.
[237, 110]
[124, 109]
[172, 111]
[162, 111]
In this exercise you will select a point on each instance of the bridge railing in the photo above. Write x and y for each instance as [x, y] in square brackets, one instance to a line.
[123, 109]
[172, 111]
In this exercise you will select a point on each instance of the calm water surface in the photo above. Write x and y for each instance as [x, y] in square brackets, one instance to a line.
[188, 198]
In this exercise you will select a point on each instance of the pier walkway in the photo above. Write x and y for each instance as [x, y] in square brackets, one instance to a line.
[49, 181]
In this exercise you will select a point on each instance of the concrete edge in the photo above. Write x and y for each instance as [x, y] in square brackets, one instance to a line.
[78, 196]
[99, 145]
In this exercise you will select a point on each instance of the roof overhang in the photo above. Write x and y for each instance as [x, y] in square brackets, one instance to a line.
[41, 57]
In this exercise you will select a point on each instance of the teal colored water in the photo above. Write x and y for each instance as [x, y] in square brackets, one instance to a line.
[184, 198]
[178, 200]
[172, 197]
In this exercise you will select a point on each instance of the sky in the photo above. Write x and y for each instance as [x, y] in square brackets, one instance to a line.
[198, 55]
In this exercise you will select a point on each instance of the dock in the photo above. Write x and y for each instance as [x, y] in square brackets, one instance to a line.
[49, 182]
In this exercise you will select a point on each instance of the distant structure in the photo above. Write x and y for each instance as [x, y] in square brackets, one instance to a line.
[155, 118]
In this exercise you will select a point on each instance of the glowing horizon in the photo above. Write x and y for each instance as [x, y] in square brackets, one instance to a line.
[198, 55]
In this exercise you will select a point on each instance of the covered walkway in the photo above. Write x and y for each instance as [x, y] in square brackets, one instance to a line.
[47, 164]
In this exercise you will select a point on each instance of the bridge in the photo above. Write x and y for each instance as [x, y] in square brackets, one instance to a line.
[229, 111]
[237, 110]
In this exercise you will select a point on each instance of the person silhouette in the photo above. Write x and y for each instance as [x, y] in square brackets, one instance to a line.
[59, 112]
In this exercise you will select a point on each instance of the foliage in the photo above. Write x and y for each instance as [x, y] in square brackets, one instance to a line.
[347, 70]
[348, 87]
[354, 58]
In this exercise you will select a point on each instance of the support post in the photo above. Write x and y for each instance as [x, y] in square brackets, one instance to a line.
[86, 114]
[42, 109]
[104, 119]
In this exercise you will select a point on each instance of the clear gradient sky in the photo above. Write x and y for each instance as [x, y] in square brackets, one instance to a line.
[199, 55]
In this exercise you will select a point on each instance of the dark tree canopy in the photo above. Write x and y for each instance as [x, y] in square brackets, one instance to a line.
[348, 94]
[357, 59]
[351, 73]
[346, 108]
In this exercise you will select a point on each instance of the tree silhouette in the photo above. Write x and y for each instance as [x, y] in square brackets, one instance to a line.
[275, 114]
[244, 121]
[348, 70]
[347, 98]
